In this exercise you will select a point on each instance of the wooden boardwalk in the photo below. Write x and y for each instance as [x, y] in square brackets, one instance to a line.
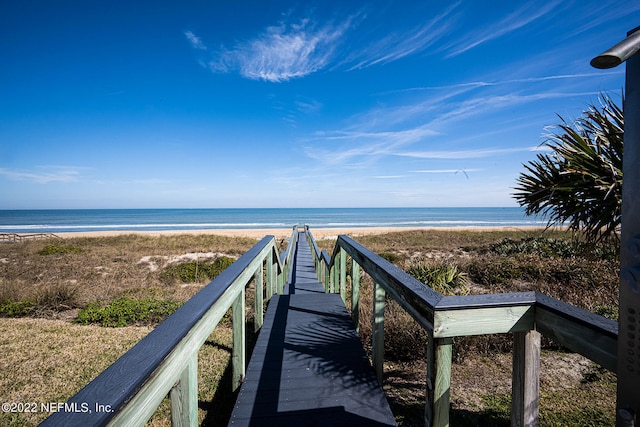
[308, 367]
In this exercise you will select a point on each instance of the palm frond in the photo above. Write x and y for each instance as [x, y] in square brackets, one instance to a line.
[580, 182]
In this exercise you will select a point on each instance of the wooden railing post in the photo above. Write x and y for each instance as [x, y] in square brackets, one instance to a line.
[238, 353]
[377, 331]
[281, 280]
[335, 273]
[270, 274]
[525, 379]
[332, 277]
[275, 272]
[343, 275]
[327, 277]
[258, 300]
[184, 396]
[355, 294]
[438, 381]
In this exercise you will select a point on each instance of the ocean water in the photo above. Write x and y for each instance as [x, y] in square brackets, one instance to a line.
[54, 221]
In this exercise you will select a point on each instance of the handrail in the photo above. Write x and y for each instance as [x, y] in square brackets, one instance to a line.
[15, 237]
[287, 254]
[526, 314]
[165, 361]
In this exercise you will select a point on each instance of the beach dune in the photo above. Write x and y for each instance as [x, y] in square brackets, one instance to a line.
[282, 233]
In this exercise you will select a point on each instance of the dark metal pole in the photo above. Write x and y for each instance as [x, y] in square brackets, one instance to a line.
[628, 398]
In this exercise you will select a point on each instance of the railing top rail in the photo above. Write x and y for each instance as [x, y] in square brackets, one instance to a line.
[326, 257]
[486, 301]
[290, 244]
[117, 384]
[595, 322]
[314, 244]
[445, 317]
[386, 271]
[423, 303]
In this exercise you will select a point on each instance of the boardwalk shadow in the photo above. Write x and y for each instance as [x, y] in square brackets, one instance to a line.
[219, 409]
[313, 370]
[304, 279]
[330, 347]
[308, 367]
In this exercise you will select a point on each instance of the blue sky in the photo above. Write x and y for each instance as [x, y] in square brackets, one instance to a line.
[279, 103]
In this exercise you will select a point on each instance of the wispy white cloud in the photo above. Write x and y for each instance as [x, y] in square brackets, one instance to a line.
[359, 144]
[478, 84]
[525, 15]
[44, 175]
[364, 144]
[401, 44]
[439, 120]
[593, 17]
[196, 42]
[283, 51]
[460, 154]
[453, 171]
[488, 104]
[389, 137]
[310, 106]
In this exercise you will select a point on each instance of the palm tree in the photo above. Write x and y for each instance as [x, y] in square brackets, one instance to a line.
[580, 181]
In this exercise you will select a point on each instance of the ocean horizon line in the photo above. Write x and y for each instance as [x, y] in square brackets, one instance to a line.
[61, 220]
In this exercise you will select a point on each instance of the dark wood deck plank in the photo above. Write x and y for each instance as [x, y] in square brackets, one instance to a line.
[308, 366]
[304, 279]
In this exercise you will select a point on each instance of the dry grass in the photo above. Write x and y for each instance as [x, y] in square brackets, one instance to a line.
[104, 268]
[68, 356]
[48, 360]
[573, 389]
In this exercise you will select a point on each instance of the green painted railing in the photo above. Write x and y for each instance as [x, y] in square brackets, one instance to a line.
[526, 315]
[165, 362]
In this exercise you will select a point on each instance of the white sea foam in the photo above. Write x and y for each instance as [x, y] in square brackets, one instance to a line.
[201, 219]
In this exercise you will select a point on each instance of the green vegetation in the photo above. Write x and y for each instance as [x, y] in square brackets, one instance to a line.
[609, 311]
[44, 299]
[127, 311]
[580, 181]
[546, 247]
[542, 246]
[390, 256]
[194, 271]
[569, 270]
[443, 277]
[16, 308]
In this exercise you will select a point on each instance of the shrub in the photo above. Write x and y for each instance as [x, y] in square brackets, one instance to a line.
[390, 256]
[126, 311]
[60, 249]
[496, 270]
[545, 247]
[16, 309]
[194, 271]
[442, 277]
[608, 311]
[553, 248]
[57, 297]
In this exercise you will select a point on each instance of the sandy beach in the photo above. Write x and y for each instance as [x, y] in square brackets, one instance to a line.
[281, 233]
